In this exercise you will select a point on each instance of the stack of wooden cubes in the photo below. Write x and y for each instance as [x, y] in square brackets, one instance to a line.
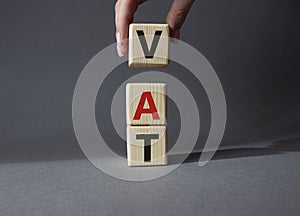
[146, 103]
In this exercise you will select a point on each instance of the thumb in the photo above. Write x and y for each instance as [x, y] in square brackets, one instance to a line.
[176, 16]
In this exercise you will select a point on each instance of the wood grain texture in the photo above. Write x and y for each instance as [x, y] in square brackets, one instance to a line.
[136, 147]
[136, 55]
[134, 92]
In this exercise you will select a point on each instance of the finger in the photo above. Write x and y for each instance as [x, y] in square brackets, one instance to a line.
[124, 12]
[176, 16]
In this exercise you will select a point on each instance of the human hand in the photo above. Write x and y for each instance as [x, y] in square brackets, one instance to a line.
[124, 13]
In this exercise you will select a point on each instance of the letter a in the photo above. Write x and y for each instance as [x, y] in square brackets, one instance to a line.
[141, 110]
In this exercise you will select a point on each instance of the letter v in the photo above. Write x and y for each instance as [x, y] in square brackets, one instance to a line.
[149, 54]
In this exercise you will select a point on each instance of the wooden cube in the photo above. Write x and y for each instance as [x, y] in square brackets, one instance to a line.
[146, 145]
[148, 45]
[146, 103]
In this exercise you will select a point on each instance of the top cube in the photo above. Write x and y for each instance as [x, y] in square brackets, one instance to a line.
[148, 45]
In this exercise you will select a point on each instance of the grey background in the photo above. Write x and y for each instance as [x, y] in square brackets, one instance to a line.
[253, 46]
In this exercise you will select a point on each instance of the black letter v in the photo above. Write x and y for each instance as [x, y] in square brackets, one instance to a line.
[149, 54]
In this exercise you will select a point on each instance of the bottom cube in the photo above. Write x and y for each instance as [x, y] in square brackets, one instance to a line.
[146, 145]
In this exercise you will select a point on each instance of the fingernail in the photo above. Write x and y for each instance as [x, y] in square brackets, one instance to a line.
[124, 47]
[119, 48]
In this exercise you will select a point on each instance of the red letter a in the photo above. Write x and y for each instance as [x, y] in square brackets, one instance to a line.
[140, 108]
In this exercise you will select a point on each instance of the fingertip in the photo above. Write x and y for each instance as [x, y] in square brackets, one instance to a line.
[175, 36]
[122, 45]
